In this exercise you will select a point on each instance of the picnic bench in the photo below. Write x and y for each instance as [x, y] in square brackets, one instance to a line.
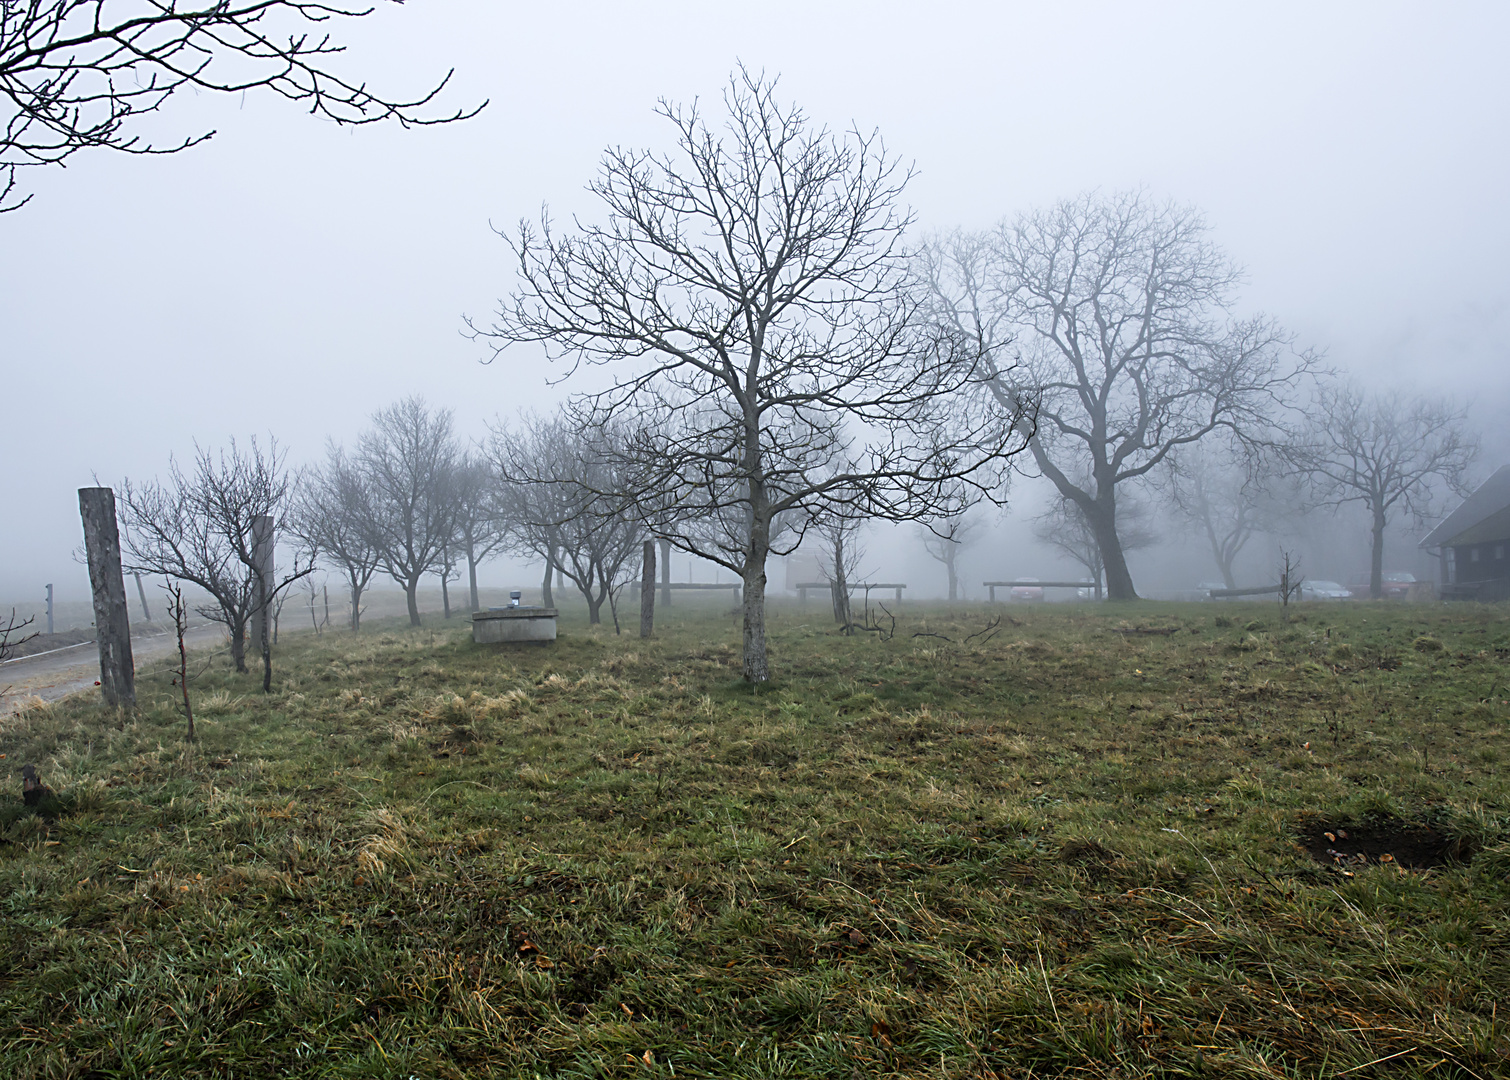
[867, 587]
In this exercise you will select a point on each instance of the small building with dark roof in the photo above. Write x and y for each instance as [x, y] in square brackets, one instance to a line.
[1473, 543]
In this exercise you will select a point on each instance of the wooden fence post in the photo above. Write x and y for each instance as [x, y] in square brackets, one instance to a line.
[647, 591]
[49, 609]
[112, 626]
[142, 595]
[666, 571]
[262, 570]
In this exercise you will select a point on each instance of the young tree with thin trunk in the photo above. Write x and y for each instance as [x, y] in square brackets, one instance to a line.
[79, 74]
[1391, 452]
[1120, 312]
[1225, 492]
[199, 528]
[409, 460]
[481, 528]
[330, 515]
[945, 539]
[750, 298]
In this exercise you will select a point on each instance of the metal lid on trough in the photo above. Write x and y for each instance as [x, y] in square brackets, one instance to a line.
[520, 612]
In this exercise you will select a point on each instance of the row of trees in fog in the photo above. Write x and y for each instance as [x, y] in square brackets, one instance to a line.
[778, 359]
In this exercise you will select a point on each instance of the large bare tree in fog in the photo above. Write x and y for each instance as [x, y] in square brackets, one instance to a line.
[1119, 310]
[80, 74]
[560, 492]
[409, 459]
[330, 514]
[198, 527]
[1388, 451]
[749, 294]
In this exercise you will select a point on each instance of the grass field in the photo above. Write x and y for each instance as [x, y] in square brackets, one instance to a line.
[1062, 849]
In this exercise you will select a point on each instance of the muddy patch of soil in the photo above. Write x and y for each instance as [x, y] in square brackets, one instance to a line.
[1384, 842]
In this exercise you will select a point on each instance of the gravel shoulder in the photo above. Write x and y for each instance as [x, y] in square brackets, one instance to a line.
[72, 669]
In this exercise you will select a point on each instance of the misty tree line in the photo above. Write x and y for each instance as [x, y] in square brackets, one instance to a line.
[780, 358]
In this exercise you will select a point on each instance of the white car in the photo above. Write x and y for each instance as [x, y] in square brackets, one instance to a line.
[1323, 590]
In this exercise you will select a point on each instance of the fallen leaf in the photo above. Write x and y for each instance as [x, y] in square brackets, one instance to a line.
[543, 962]
[881, 1032]
[649, 1058]
[1386, 857]
[1330, 836]
[627, 1010]
[857, 939]
[1342, 834]
[528, 946]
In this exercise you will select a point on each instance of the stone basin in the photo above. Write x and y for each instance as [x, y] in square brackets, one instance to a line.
[514, 624]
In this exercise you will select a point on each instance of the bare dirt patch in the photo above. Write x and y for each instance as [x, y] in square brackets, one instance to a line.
[1380, 842]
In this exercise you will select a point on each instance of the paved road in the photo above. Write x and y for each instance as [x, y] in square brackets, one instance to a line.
[51, 676]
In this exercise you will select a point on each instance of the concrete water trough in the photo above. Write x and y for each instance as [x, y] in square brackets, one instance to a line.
[514, 624]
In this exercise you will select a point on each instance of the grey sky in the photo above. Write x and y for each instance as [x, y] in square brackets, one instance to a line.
[291, 277]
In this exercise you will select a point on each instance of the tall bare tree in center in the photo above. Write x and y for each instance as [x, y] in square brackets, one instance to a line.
[1120, 312]
[750, 295]
[409, 459]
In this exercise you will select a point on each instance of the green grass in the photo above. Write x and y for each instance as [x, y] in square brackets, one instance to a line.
[1059, 850]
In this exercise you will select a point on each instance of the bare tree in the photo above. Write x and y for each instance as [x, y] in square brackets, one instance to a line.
[945, 539]
[199, 528]
[838, 541]
[77, 74]
[409, 459]
[1227, 493]
[1119, 310]
[561, 494]
[1065, 525]
[330, 514]
[1387, 451]
[481, 527]
[9, 631]
[751, 296]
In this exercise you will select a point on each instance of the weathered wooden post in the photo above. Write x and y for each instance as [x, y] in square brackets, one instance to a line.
[142, 595]
[262, 595]
[647, 591]
[112, 626]
[666, 572]
[49, 609]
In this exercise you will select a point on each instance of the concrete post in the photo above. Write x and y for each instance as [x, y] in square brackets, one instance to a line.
[112, 626]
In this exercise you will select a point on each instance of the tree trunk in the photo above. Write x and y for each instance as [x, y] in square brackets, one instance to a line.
[472, 573]
[356, 607]
[1376, 560]
[411, 589]
[647, 591]
[953, 577]
[546, 599]
[445, 594]
[238, 645]
[1119, 582]
[594, 609]
[757, 668]
[142, 594]
[112, 622]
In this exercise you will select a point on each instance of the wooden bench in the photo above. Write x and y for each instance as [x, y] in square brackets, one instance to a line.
[867, 587]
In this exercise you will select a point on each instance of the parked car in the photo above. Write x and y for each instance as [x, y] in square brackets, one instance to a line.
[1027, 592]
[1323, 590]
[1395, 586]
[1087, 590]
